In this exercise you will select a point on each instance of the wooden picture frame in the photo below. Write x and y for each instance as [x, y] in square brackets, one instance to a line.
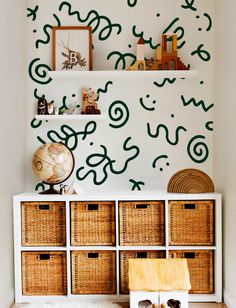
[72, 48]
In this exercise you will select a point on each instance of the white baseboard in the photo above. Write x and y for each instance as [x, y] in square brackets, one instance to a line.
[9, 299]
[229, 301]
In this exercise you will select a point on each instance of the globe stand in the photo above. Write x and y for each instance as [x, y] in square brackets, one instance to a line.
[50, 191]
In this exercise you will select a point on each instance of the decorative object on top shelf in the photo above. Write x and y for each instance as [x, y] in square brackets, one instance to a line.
[75, 188]
[89, 101]
[72, 48]
[166, 56]
[42, 106]
[190, 181]
[53, 163]
[51, 108]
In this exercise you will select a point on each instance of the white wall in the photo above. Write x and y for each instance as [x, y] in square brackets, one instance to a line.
[12, 131]
[225, 128]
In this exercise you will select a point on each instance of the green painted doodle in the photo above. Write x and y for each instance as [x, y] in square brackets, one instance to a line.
[45, 30]
[36, 94]
[166, 130]
[122, 58]
[164, 82]
[136, 184]
[146, 41]
[33, 12]
[132, 3]
[144, 105]
[119, 113]
[39, 186]
[94, 22]
[198, 152]
[35, 123]
[97, 159]
[100, 90]
[64, 106]
[203, 54]
[209, 20]
[40, 70]
[193, 101]
[209, 125]
[189, 5]
[179, 31]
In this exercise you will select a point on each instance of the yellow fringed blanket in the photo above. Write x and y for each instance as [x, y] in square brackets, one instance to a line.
[158, 274]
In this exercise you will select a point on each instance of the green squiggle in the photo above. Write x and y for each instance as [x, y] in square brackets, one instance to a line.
[165, 128]
[33, 12]
[179, 28]
[200, 150]
[210, 21]
[165, 81]
[118, 111]
[189, 5]
[132, 3]
[203, 54]
[146, 41]
[157, 158]
[64, 106]
[41, 74]
[36, 94]
[39, 186]
[35, 123]
[136, 184]
[207, 125]
[45, 30]
[105, 89]
[121, 58]
[41, 140]
[193, 101]
[144, 106]
[97, 18]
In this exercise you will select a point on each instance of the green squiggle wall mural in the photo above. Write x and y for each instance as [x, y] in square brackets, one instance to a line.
[150, 127]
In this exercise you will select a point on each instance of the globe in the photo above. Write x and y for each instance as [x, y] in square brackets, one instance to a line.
[53, 163]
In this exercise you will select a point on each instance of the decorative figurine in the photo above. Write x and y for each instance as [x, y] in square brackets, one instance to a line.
[51, 108]
[173, 303]
[89, 105]
[139, 64]
[42, 106]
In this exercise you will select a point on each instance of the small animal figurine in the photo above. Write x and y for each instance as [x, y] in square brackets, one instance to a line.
[89, 102]
[51, 108]
[173, 303]
[145, 304]
[42, 106]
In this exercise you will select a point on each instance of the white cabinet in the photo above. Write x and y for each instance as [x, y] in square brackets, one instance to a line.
[77, 246]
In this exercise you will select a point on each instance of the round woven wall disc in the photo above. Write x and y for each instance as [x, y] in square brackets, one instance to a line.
[190, 181]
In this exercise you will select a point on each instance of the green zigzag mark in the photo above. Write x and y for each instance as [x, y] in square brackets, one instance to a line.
[45, 30]
[200, 150]
[189, 5]
[193, 101]
[132, 3]
[165, 81]
[121, 58]
[146, 41]
[207, 125]
[100, 90]
[41, 74]
[210, 21]
[97, 18]
[33, 12]
[204, 55]
[165, 128]
[144, 106]
[179, 28]
[136, 184]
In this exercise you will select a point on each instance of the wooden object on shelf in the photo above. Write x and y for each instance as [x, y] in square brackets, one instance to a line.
[190, 181]
[89, 104]
[140, 64]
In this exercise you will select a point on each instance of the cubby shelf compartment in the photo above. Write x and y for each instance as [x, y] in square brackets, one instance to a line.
[79, 117]
[122, 74]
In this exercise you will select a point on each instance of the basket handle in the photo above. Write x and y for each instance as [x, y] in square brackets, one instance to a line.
[142, 255]
[141, 206]
[45, 256]
[93, 255]
[92, 207]
[190, 206]
[190, 255]
[44, 207]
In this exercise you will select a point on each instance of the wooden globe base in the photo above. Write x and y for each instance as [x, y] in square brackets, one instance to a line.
[50, 191]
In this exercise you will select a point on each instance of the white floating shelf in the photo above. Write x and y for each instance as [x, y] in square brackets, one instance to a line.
[71, 117]
[123, 74]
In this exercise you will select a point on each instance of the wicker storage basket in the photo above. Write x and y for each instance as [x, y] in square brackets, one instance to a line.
[93, 223]
[43, 223]
[44, 273]
[93, 272]
[125, 255]
[142, 223]
[191, 222]
[201, 269]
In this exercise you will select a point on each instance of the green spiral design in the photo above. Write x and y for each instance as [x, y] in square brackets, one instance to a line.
[119, 113]
[39, 72]
[198, 151]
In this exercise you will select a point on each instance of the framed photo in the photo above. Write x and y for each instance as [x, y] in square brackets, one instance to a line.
[72, 48]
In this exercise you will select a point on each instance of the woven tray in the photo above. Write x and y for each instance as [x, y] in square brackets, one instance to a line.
[190, 181]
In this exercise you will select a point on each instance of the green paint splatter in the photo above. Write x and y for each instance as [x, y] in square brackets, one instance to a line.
[45, 30]
[198, 152]
[41, 140]
[122, 58]
[33, 12]
[157, 159]
[164, 82]
[118, 112]
[35, 123]
[41, 72]
[136, 184]
[193, 101]
[146, 41]
[203, 54]
[209, 125]
[209, 21]
[189, 5]
[166, 130]
[94, 22]
[145, 107]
